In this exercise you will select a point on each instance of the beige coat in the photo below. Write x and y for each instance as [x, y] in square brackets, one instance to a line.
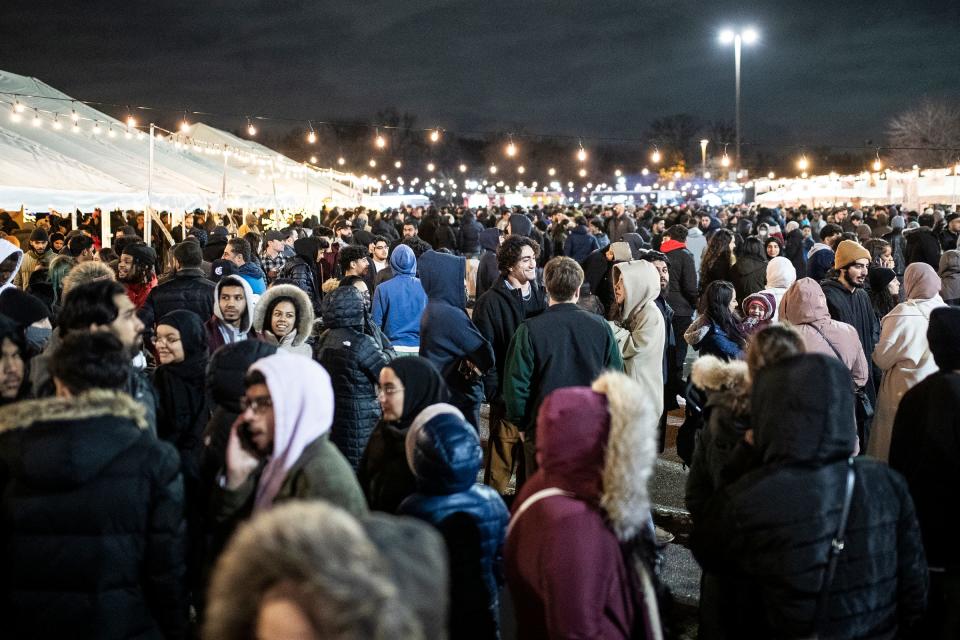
[641, 332]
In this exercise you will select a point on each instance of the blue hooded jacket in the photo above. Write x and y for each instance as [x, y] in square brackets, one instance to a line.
[446, 332]
[254, 277]
[398, 303]
[444, 454]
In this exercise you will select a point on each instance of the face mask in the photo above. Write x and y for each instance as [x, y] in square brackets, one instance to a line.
[38, 337]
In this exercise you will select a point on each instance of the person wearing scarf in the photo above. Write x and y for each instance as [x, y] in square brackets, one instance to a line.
[407, 386]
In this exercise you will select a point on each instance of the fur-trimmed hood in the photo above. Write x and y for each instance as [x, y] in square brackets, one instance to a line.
[597, 444]
[8, 249]
[70, 439]
[301, 303]
[727, 383]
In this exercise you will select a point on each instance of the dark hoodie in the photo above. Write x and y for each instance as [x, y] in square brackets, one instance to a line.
[488, 272]
[772, 527]
[447, 335]
[302, 271]
[398, 303]
[468, 236]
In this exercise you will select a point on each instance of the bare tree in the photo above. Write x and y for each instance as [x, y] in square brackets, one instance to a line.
[928, 134]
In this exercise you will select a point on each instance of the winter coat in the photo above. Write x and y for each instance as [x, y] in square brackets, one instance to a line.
[354, 362]
[708, 338]
[805, 307]
[8, 249]
[468, 236]
[563, 557]
[925, 448]
[771, 529]
[749, 276]
[696, 245]
[444, 453]
[853, 308]
[188, 289]
[780, 276]
[30, 263]
[91, 506]
[497, 314]
[682, 290]
[922, 245]
[445, 237]
[398, 303]
[580, 244]
[213, 250]
[447, 335]
[564, 346]
[487, 271]
[216, 327]
[301, 269]
[949, 273]
[620, 226]
[795, 253]
[254, 276]
[719, 270]
[905, 359]
[948, 239]
[296, 340]
[641, 331]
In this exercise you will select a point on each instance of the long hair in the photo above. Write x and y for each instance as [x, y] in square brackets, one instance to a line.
[714, 305]
[753, 246]
[717, 257]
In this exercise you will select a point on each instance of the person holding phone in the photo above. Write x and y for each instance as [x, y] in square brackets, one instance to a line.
[279, 447]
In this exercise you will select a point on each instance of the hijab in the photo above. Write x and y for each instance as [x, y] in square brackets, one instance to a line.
[921, 281]
[182, 408]
[422, 386]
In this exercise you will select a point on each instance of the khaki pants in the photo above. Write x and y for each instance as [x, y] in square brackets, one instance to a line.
[504, 451]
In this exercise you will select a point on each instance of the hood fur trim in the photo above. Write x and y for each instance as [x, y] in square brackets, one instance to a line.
[631, 453]
[301, 302]
[713, 374]
[90, 404]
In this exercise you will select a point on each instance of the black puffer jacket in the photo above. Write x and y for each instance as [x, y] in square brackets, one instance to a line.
[748, 275]
[188, 289]
[214, 247]
[353, 361]
[922, 246]
[772, 528]
[301, 270]
[91, 522]
[468, 236]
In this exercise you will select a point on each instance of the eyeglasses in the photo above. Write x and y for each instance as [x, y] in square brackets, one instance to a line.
[383, 392]
[168, 341]
[257, 405]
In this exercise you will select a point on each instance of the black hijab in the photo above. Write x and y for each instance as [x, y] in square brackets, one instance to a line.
[422, 386]
[182, 404]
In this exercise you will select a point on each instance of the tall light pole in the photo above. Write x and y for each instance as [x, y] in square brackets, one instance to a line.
[738, 38]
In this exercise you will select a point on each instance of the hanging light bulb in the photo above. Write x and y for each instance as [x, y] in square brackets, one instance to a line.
[251, 130]
[131, 121]
[582, 173]
[96, 128]
[17, 107]
[655, 156]
[618, 173]
[725, 160]
[771, 175]
[56, 122]
[381, 142]
[551, 171]
[431, 166]
[373, 163]
[128, 134]
[341, 161]
[511, 149]
[463, 168]
[582, 154]
[521, 169]
[36, 118]
[76, 127]
[493, 168]
[74, 116]
[184, 125]
[435, 135]
[111, 133]
[877, 165]
[803, 164]
[14, 115]
[313, 159]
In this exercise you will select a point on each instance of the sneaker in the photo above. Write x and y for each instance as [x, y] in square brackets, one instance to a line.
[663, 537]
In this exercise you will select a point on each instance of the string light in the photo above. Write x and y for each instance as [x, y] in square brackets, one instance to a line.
[341, 161]
[251, 130]
[493, 168]
[551, 171]
[583, 173]
[725, 160]
[311, 135]
[435, 135]
[803, 164]
[14, 115]
[380, 141]
[877, 164]
[521, 169]
[111, 133]
[397, 164]
[373, 163]
[655, 156]
[581, 153]
[771, 175]
[313, 159]
[431, 166]
[184, 125]
[511, 149]
[76, 127]
[36, 118]
[128, 134]
[618, 173]
[131, 121]
[463, 168]
[56, 122]
[17, 107]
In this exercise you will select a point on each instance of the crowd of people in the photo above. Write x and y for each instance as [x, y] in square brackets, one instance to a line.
[267, 430]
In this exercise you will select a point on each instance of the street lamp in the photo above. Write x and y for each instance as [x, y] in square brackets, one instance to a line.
[738, 38]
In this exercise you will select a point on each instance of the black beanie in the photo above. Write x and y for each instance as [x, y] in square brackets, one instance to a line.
[943, 336]
[39, 235]
[21, 307]
[141, 253]
[880, 277]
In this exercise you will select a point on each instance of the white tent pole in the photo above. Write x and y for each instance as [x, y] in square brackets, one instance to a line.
[73, 218]
[223, 184]
[148, 214]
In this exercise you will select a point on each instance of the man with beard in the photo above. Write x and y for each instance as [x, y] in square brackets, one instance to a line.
[344, 233]
[103, 305]
[136, 271]
[232, 312]
[239, 252]
[39, 256]
[671, 377]
[354, 264]
[849, 303]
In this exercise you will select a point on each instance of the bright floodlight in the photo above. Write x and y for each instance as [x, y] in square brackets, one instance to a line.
[750, 36]
[726, 36]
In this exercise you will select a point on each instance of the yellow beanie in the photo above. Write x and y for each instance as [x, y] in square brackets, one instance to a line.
[849, 252]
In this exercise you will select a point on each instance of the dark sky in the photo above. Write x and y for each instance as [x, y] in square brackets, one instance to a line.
[825, 71]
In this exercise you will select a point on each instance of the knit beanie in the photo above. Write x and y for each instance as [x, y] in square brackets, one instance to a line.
[141, 253]
[897, 222]
[39, 235]
[880, 277]
[21, 307]
[849, 252]
[943, 336]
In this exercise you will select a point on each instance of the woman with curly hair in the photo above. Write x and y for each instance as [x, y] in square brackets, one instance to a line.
[718, 258]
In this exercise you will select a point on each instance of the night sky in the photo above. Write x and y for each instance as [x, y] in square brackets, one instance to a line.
[824, 72]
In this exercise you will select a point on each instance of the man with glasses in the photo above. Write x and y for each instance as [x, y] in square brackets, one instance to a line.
[514, 297]
[379, 249]
[848, 302]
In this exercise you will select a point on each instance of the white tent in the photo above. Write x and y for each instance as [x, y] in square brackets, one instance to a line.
[911, 189]
[61, 154]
